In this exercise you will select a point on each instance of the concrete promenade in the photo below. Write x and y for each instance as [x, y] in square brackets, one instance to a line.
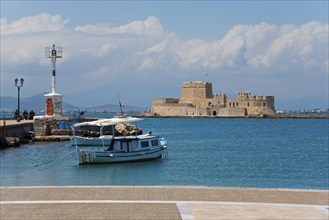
[161, 202]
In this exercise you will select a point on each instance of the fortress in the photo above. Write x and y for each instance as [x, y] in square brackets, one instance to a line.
[197, 100]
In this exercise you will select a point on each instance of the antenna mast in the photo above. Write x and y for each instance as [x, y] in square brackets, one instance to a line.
[53, 53]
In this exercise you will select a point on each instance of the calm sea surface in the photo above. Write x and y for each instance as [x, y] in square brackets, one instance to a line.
[284, 153]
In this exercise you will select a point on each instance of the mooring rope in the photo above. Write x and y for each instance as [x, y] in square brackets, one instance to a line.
[51, 161]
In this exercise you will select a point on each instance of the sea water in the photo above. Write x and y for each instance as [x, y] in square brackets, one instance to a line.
[235, 152]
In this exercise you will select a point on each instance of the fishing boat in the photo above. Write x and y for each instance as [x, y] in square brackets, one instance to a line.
[111, 149]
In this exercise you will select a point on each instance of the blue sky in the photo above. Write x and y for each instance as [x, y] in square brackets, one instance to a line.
[146, 49]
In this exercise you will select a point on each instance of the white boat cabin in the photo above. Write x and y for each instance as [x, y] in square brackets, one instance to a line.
[133, 143]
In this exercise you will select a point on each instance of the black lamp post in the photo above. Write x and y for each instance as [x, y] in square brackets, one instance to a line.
[18, 89]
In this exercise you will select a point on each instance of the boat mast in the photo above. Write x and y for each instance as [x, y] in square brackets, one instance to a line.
[121, 106]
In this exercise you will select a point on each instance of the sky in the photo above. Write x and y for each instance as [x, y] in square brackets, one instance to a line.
[147, 49]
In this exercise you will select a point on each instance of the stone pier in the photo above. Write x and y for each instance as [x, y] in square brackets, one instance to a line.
[13, 132]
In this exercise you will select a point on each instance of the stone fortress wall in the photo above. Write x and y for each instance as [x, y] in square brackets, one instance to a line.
[197, 100]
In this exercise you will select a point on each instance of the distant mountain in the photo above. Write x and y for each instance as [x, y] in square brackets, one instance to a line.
[37, 103]
[112, 108]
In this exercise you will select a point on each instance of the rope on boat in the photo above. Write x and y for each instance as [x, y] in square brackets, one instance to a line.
[51, 161]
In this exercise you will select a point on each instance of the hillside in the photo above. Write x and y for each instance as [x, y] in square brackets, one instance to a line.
[37, 103]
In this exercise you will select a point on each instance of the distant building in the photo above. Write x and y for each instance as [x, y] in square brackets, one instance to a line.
[197, 99]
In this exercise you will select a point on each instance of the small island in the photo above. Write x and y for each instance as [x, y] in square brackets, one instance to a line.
[198, 100]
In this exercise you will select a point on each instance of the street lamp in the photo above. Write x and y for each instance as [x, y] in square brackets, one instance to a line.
[18, 89]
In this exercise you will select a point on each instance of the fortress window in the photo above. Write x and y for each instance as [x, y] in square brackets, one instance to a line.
[248, 104]
[264, 104]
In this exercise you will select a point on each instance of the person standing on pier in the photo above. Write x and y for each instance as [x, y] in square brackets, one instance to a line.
[31, 115]
[16, 114]
[25, 114]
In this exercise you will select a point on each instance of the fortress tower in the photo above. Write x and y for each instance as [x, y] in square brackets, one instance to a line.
[196, 93]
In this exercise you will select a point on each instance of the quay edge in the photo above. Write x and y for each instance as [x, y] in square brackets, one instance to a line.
[12, 133]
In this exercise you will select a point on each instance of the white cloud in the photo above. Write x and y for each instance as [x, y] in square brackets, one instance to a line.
[39, 23]
[145, 45]
[305, 46]
[148, 63]
[150, 27]
[192, 51]
[102, 50]
[265, 47]
[157, 48]
[261, 48]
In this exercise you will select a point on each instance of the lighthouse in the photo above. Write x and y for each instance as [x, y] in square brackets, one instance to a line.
[53, 99]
